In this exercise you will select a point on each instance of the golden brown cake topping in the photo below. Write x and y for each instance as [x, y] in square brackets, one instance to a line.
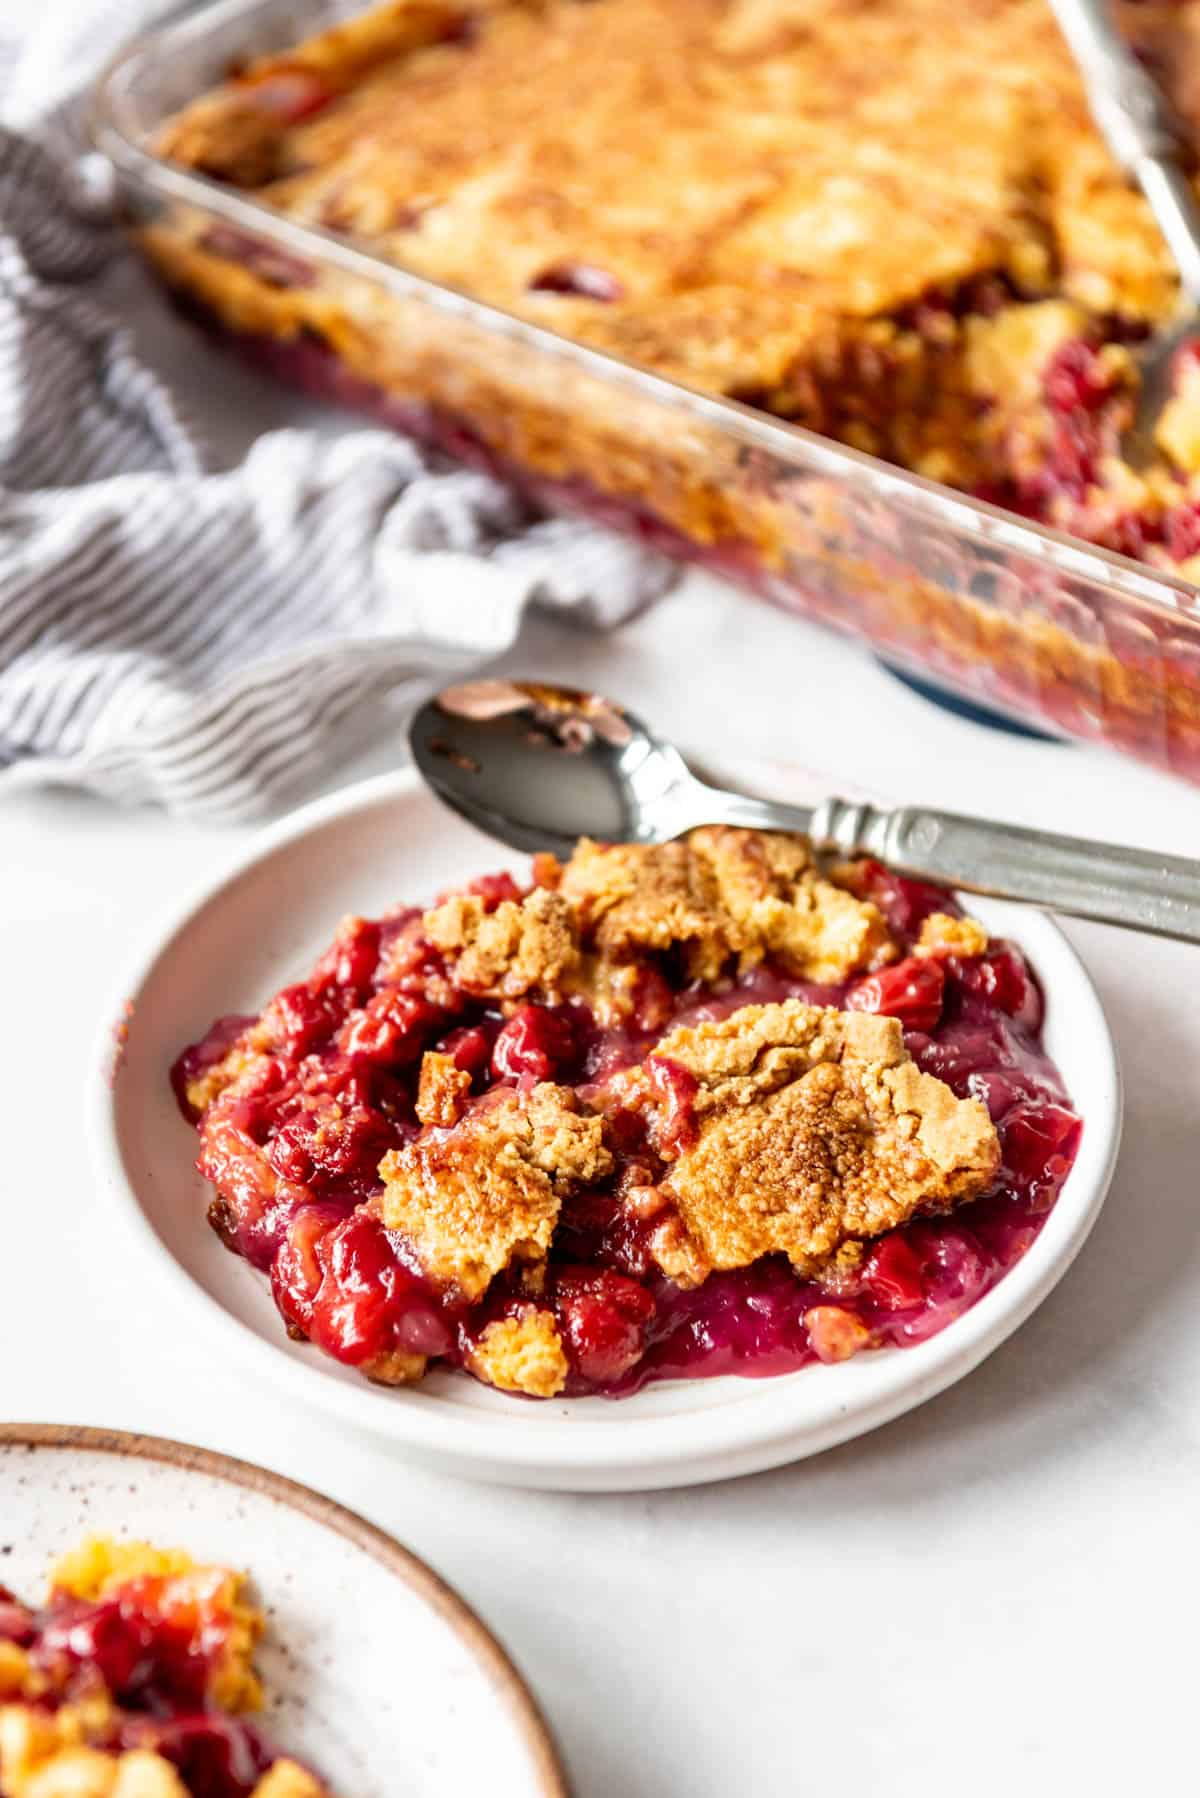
[509, 952]
[722, 895]
[943, 935]
[475, 1198]
[522, 1354]
[812, 1127]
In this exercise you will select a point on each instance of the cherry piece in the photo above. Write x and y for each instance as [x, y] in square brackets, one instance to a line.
[579, 278]
[911, 990]
[538, 1041]
[602, 1319]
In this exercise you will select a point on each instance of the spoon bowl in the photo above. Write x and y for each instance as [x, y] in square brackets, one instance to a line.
[539, 766]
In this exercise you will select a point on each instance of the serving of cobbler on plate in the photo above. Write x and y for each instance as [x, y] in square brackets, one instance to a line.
[710, 1107]
[134, 1680]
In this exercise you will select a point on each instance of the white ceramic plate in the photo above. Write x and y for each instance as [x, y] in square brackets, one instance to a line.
[262, 924]
[345, 1604]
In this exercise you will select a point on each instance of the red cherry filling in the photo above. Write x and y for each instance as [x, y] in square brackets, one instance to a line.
[602, 1319]
[392, 1029]
[1181, 532]
[16, 1620]
[1075, 379]
[904, 903]
[299, 1018]
[367, 1305]
[322, 1135]
[155, 1649]
[290, 94]
[296, 1273]
[1039, 1144]
[494, 889]
[892, 1274]
[151, 1643]
[352, 958]
[215, 1756]
[675, 1131]
[213, 1047]
[579, 278]
[1002, 977]
[910, 990]
[539, 1041]
[470, 1047]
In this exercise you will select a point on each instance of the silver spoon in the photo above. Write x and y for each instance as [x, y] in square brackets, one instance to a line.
[1146, 141]
[539, 766]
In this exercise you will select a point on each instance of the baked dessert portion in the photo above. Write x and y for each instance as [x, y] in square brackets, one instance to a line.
[134, 1680]
[840, 223]
[708, 1106]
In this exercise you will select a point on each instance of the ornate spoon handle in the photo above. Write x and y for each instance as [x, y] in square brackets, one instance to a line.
[1133, 887]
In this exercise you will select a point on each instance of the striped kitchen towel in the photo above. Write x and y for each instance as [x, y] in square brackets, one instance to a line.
[206, 638]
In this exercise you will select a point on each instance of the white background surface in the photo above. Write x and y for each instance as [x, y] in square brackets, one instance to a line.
[994, 1595]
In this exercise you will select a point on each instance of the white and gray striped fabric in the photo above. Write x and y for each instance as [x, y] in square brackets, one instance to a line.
[212, 639]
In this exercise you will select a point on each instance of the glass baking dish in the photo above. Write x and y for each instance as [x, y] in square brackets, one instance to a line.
[1009, 614]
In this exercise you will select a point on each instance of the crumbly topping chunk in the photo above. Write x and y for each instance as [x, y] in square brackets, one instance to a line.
[100, 1565]
[812, 1127]
[509, 952]
[488, 1192]
[942, 934]
[630, 898]
[722, 894]
[394, 1368]
[522, 1354]
[835, 1334]
[739, 1059]
[442, 1090]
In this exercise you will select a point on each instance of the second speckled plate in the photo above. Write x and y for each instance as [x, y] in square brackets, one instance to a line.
[379, 1674]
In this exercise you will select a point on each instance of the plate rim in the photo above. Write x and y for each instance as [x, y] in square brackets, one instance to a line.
[672, 1450]
[504, 1677]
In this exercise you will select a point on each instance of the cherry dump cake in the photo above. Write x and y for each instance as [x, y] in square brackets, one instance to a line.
[714, 1106]
[891, 221]
[133, 1680]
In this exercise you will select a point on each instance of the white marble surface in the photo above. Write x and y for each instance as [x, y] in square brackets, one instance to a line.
[995, 1594]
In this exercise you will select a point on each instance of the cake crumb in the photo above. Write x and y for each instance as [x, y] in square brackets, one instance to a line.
[521, 1354]
[208, 1087]
[442, 1091]
[942, 934]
